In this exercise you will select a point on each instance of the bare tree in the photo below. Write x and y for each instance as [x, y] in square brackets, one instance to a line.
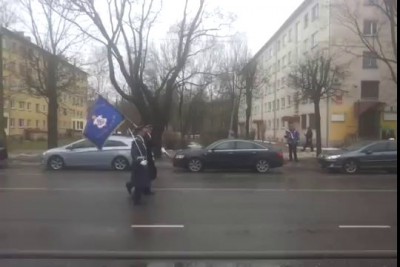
[47, 72]
[316, 78]
[234, 56]
[254, 78]
[125, 34]
[378, 36]
[8, 12]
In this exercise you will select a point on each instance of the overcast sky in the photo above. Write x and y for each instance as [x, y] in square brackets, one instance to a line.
[259, 19]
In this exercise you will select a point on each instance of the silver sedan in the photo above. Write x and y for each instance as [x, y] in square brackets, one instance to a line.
[115, 154]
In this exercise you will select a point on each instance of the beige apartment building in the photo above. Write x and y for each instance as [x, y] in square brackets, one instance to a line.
[369, 105]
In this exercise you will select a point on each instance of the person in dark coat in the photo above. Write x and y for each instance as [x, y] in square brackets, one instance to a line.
[150, 158]
[309, 136]
[139, 169]
[292, 137]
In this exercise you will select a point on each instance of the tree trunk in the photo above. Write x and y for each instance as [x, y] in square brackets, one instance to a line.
[318, 127]
[181, 119]
[52, 110]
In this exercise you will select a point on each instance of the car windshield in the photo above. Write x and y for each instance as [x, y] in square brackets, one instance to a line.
[357, 145]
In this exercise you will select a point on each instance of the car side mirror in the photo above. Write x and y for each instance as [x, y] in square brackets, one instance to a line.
[210, 150]
[368, 152]
[70, 147]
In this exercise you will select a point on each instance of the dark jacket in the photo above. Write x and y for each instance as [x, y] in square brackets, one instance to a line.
[150, 157]
[140, 173]
[309, 134]
[292, 137]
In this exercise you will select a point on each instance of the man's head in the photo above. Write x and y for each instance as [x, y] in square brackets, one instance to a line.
[140, 130]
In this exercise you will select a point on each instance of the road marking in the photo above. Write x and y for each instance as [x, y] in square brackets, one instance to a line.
[191, 189]
[364, 226]
[157, 226]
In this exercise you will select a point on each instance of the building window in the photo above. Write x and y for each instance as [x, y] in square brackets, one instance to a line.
[315, 12]
[29, 106]
[37, 124]
[305, 20]
[44, 108]
[21, 105]
[278, 46]
[370, 90]
[284, 40]
[305, 46]
[314, 40]
[28, 123]
[277, 104]
[369, 60]
[297, 31]
[283, 102]
[21, 123]
[12, 104]
[289, 101]
[290, 36]
[290, 58]
[12, 123]
[370, 27]
[269, 106]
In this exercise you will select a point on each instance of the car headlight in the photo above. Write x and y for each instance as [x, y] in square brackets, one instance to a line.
[179, 156]
[333, 157]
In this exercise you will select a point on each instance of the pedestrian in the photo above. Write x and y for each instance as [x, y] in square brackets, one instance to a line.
[309, 136]
[139, 169]
[292, 138]
[150, 158]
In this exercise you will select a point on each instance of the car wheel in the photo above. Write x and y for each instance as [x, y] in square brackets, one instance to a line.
[350, 166]
[120, 164]
[195, 165]
[263, 166]
[55, 163]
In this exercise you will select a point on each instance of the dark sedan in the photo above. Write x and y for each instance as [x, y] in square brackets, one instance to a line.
[381, 155]
[230, 154]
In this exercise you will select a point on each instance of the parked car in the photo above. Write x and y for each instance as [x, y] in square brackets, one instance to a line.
[3, 154]
[230, 154]
[367, 155]
[83, 153]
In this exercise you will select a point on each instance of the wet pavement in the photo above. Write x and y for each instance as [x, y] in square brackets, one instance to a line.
[296, 208]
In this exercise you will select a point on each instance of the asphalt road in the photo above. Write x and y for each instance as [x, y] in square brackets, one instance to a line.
[293, 209]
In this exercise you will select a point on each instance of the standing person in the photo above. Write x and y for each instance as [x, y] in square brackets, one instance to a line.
[139, 173]
[150, 158]
[309, 136]
[292, 137]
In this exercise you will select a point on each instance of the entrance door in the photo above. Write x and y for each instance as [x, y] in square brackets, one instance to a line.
[369, 124]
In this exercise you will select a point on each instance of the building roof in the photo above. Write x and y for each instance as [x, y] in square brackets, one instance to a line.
[21, 38]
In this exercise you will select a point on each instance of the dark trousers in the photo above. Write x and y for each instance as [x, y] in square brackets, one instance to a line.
[293, 152]
[137, 194]
[308, 143]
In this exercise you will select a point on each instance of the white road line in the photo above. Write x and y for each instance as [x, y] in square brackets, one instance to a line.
[158, 226]
[191, 189]
[364, 226]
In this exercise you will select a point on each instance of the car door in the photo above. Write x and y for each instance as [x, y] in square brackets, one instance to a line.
[391, 155]
[374, 156]
[221, 155]
[111, 149]
[246, 153]
[82, 154]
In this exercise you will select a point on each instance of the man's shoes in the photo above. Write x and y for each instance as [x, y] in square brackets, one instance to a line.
[129, 188]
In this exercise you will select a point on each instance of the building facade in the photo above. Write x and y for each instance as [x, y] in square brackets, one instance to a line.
[368, 107]
[24, 108]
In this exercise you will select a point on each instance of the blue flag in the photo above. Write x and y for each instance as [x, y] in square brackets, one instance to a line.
[102, 120]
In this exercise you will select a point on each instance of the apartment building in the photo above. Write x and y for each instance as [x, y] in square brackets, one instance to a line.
[23, 107]
[369, 105]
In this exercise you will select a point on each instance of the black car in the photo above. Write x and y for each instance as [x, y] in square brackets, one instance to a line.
[367, 155]
[230, 154]
[3, 153]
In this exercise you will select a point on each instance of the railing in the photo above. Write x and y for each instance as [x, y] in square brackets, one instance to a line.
[207, 255]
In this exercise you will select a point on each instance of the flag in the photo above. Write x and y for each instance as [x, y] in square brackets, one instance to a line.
[102, 120]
